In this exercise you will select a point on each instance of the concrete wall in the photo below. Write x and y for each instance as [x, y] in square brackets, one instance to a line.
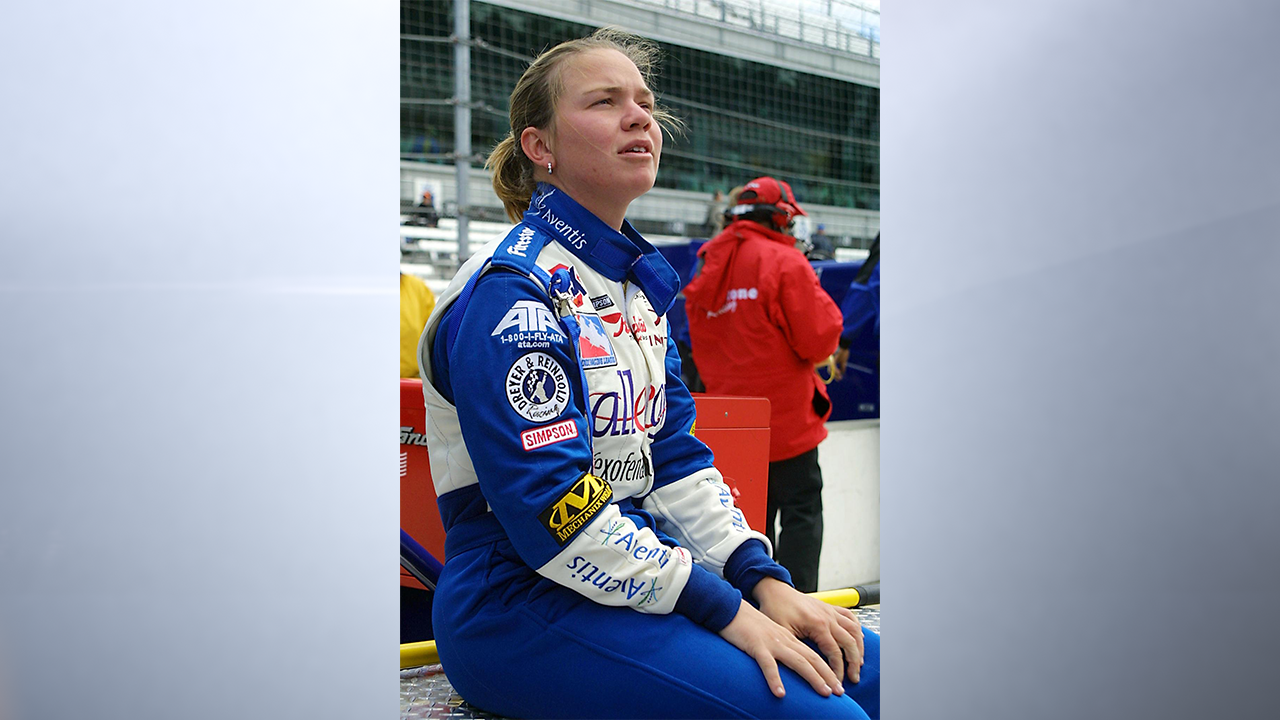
[703, 33]
[850, 459]
[659, 204]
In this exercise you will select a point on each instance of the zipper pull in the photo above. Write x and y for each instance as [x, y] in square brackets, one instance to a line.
[560, 291]
[563, 302]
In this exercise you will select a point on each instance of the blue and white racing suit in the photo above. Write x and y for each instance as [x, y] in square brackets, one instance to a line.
[593, 550]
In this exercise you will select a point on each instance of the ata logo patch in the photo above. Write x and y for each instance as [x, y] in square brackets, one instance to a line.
[576, 507]
[528, 316]
[537, 387]
[548, 434]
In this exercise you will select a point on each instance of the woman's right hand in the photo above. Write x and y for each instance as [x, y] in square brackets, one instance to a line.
[752, 632]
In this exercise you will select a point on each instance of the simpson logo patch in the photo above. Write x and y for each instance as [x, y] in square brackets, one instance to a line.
[548, 434]
[537, 387]
[576, 507]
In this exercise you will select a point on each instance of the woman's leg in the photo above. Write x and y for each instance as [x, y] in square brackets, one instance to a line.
[552, 653]
[867, 691]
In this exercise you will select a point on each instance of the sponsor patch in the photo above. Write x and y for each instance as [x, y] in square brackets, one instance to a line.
[634, 468]
[623, 538]
[548, 434]
[616, 319]
[650, 593]
[575, 508]
[521, 245]
[620, 412]
[537, 387]
[528, 316]
[567, 231]
[601, 302]
[594, 346]
[529, 324]
[583, 570]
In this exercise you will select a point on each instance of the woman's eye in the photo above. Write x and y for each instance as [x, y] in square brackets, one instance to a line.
[604, 101]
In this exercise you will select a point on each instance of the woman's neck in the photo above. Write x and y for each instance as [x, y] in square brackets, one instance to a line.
[609, 212]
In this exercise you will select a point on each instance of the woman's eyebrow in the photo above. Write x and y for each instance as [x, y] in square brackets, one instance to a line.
[618, 90]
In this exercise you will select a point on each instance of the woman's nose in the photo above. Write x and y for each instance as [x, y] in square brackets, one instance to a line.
[636, 116]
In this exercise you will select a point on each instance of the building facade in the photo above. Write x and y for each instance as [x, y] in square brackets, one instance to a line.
[759, 93]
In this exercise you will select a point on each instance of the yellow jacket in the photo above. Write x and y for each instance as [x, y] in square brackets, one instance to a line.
[416, 302]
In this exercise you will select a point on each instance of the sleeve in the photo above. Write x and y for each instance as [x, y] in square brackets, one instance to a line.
[518, 386]
[691, 501]
[416, 303]
[806, 313]
[860, 314]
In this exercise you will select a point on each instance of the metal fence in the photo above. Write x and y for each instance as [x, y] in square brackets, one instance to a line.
[743, 118]
[844, 25]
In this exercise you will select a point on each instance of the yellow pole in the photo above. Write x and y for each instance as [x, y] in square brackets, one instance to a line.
[847, 597]
[417, 654]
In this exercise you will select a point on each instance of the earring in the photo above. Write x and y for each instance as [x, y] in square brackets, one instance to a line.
[549, 170]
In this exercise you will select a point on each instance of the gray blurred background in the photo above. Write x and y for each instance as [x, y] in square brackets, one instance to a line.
[1079, 461]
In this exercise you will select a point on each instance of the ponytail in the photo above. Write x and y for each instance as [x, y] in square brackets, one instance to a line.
[512, 176]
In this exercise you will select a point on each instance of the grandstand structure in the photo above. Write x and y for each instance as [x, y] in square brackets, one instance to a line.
[788, 88]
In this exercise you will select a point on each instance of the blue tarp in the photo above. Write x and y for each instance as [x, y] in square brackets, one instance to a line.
[857, 395]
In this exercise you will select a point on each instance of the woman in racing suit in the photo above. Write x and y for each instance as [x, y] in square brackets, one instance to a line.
[596, 565]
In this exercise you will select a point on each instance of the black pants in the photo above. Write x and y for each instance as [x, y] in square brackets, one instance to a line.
[795, 489]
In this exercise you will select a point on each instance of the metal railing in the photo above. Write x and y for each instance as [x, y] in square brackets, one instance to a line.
[845, 25]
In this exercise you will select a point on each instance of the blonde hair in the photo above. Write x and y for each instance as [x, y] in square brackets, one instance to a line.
[533, 104]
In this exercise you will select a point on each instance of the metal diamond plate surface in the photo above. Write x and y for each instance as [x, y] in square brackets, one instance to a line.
[425, 693]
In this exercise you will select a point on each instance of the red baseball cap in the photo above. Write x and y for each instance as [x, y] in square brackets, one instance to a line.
[768, 191]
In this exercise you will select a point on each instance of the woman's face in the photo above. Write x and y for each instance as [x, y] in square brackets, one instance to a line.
[606, 142]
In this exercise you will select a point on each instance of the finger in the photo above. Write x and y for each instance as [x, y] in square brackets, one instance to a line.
[852, 627]
[855, 628]
[831, 679]
[848, 614]
[807, 666]
[830, 647]
[852, 655]
[769, 667]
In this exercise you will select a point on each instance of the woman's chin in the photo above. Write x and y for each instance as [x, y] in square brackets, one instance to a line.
[638, 183]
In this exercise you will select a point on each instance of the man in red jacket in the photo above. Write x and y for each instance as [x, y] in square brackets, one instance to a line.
[759, 322]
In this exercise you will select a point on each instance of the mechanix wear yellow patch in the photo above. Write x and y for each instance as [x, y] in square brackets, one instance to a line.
[576, 507]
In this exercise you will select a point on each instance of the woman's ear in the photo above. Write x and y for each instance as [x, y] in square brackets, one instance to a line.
[536, 145]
